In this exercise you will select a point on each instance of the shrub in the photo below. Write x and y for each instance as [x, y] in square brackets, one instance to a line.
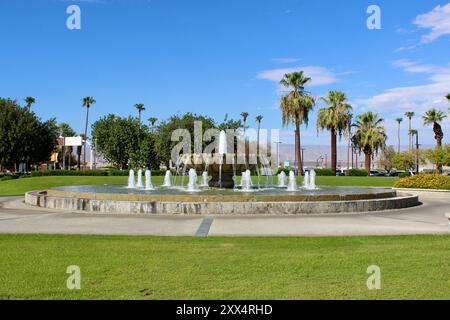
[357, 173]
[425, 181]
[285, 170]
[403, 175]
[324, 172]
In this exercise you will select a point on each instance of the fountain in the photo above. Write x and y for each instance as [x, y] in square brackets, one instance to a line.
[246, 181]
[148, 180]
[167, 179]
[292, 185]
[131, 181]
[282, 179]
[139, 183]
[192, 184]
[204, 179]
[220, 194]
[309, 182]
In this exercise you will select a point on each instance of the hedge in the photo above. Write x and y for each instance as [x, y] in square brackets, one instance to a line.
[324, 172]
[97, 173]
[425, 181]
[357, 173]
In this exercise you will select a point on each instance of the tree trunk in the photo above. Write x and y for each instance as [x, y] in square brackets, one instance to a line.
[333, 150]
[70, 158]
[410, 136]
[399, 138]
[85, 137]
[257, 143]
[298, 149]
[367, 162]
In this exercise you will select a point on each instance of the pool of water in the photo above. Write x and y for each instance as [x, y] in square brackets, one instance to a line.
[270, 191]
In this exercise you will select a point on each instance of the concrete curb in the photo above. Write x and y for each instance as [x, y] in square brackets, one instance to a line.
[41, 199]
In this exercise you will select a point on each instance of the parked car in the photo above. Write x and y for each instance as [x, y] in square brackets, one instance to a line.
[397, 173]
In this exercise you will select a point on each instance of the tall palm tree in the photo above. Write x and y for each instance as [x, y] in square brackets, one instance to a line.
[410, 115]
[140, 107]
[258, 119]
[335, 119]
[433, 117]
[295, 108]
[244, 116]
[370, 136]
[399, 121]
[87, 102]
[152, 122]
[29, 101]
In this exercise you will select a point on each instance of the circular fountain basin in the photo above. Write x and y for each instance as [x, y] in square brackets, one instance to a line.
[273, 200]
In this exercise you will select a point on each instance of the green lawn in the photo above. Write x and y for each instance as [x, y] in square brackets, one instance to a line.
[114, 267]
[20, 186]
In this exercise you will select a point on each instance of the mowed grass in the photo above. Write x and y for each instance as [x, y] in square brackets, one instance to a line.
[20, 186]
[118, 267]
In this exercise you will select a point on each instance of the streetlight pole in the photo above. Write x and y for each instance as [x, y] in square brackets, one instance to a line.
[417, 152]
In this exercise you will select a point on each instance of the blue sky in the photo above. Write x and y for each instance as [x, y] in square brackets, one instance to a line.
[218, 57]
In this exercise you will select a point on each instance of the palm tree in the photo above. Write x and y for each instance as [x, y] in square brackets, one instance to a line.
[244, 116]
[349, 135]
[140, 107]
[434, 116]
[152, 121]
[87, 102]
[295, 108]
[409, 115]
[399, 121]
[334, 118]
[370, 136]
[66, 131]
[258, 119]
[448, 97]
[29, 101]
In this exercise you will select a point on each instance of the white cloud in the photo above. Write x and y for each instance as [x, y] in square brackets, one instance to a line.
[417, 98]
[437, 20]
[319, 75]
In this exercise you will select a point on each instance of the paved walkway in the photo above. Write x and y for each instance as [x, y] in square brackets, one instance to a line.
[429, 218]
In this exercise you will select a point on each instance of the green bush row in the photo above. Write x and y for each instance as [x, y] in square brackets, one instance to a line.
[97, 173]
[357, 173]
[324, 172]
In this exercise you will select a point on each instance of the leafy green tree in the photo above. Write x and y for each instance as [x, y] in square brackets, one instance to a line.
[370, 136]
[24, 137]
[295, 108]
[439, 156]
[386, 159]
[87, 102]
[163, 140]
[335, 119]
[404, 160]
[118, 139]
